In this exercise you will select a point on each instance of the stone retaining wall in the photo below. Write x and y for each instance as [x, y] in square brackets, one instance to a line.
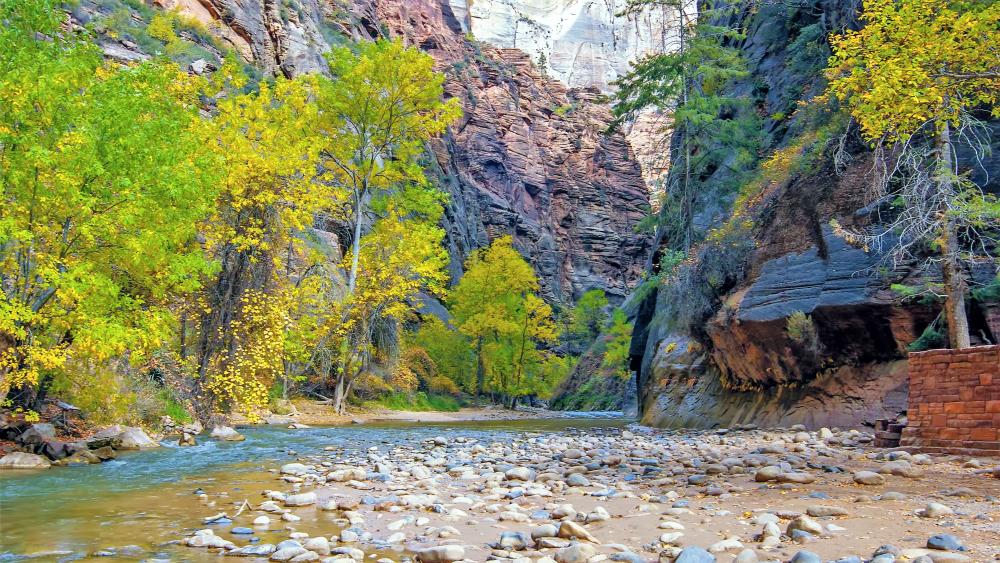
[954, 404]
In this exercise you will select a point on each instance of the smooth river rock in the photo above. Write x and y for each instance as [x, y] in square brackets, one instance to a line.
[22, 460]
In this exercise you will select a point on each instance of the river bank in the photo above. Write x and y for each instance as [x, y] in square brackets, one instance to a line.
[600, 494]
[522, 490]
[318, 413]
[59, 440]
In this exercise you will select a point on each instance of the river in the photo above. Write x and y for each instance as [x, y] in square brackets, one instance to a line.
[148, 499]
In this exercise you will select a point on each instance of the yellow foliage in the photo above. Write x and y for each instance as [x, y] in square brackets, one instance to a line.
[917, 61]
[102, 181]
[403, 379]
[442, 384]
[368, 385]
[246, 376]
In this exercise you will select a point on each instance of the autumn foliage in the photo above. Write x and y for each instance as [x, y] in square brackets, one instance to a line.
[154, 221]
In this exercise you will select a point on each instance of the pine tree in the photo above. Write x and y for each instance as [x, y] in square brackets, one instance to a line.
[709, 126]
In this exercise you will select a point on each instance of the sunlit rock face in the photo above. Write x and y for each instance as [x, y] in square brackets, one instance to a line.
[530, 157]
[579, 42]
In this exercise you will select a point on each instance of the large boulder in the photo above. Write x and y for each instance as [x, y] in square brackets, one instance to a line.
[132, 438]
[23, 460]
[227, 434]
[105, 437]
[55, 449]
[37, 433]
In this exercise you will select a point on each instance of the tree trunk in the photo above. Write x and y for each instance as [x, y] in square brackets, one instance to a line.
[955, 288]
[480, 371]
[355, 246]
[954, 277]
[339, 394]
[183, 335]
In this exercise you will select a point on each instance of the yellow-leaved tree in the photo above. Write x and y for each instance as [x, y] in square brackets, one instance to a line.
[913, 77]
[269, 145]
[102, 182]
[384, 102]
[495, 305]
[400, 258]
[382, 106]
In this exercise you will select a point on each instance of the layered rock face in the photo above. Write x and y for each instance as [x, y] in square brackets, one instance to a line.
[529, 158]
[278, 36]
[582, 43]
[810, 331]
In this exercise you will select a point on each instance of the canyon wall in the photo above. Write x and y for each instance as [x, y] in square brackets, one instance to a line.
[581, 43]
[529, 158]
[804, 328]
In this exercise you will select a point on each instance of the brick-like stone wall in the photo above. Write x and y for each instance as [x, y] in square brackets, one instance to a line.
[954, 404]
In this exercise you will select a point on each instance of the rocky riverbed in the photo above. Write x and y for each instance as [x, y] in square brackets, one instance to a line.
[609, 494]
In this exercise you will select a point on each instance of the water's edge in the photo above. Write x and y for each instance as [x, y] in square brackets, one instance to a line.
[146, 498]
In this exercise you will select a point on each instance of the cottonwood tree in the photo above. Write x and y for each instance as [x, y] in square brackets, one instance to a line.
[384, 103]
[911, 77]
[589, 315]
[495, 305]
[269, 146]
[402, 256]
[102, 182]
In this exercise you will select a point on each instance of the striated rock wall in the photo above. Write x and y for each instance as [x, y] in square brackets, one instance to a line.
[529, 158]
[279, 36]
[582, 43]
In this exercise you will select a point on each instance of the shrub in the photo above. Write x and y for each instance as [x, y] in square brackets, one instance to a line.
[800, 329]
[419, 401]
[443, 385]
[932, 338]
[173, 408]
[563, 109]
[369, 386]
[403, 379]
[420, 363]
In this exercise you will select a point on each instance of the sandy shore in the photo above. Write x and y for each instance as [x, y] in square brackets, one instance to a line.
[318, 413]
[636, 495]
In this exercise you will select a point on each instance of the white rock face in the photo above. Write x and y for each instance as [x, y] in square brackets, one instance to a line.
[580, 42]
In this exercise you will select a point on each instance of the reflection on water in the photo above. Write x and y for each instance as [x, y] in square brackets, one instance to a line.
[147, 498]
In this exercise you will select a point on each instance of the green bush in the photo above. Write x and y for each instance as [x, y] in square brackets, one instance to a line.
[173, 408]
[800, 328]
[419, 401]
[931, 339]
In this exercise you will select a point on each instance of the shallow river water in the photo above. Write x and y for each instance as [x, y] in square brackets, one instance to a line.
[147, 499]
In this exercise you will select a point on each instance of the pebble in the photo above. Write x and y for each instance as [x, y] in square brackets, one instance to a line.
[820, 511]
[302, 499]
[945, 542]
[806, 557]
[805, 524]
[868, 478]
[694, 554]
[576, 553]
[422, 497]
[936, 510]
[441, 554]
